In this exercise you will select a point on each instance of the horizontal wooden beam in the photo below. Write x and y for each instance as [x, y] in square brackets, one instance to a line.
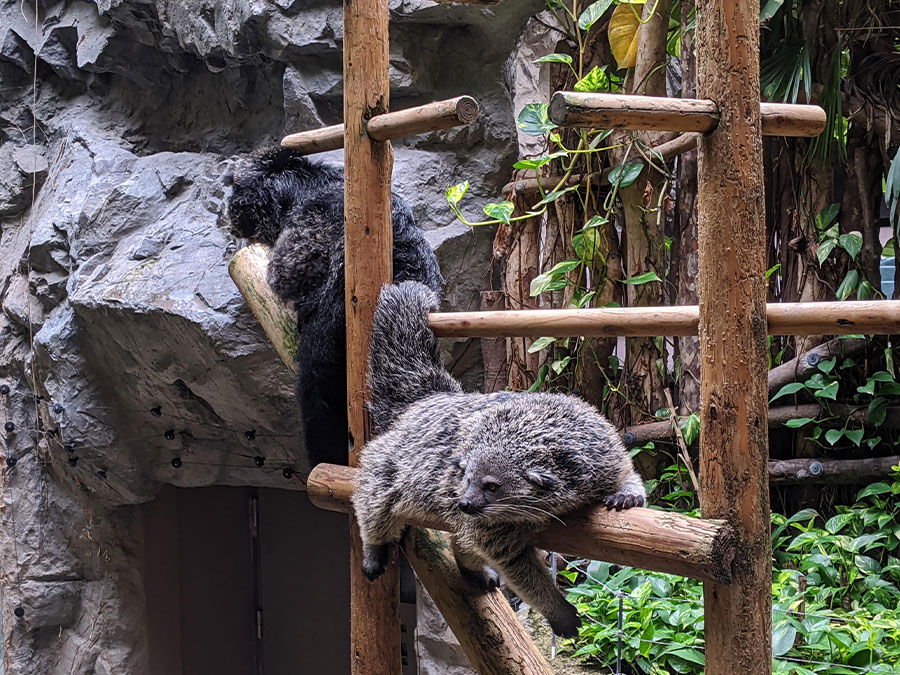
[659, 113]
[869, 317]
[831, 471]
[390, 126]
[645, 538]
[807, 318]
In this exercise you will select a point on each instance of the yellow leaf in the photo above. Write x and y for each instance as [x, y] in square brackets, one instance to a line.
[623, 34]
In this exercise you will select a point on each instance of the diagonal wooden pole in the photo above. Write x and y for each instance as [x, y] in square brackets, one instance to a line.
[368, 243]
[733, 390]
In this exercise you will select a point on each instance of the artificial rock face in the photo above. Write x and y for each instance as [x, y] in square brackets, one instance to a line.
[128, 357]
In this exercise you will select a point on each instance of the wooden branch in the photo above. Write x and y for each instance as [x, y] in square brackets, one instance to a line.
[529, 186]
[279, 322]
[659, 113]
[831, 471]
[485, 624]
[389, 126]
[646, 538]
[368, 242]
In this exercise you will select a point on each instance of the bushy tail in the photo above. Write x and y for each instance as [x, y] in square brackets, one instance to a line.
[404, 364]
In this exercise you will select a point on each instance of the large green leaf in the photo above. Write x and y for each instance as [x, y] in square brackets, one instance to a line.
[502, 211]
[848, 285]
[644, 278]
[852, 242]
[787, 389]
[592, 14]
[533, 120]
[456, 192]
[783, 639]
[627, 174]
[825, 249]
[555, 58]
[596, 80]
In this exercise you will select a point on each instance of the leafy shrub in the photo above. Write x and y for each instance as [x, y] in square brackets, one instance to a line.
[835, 599]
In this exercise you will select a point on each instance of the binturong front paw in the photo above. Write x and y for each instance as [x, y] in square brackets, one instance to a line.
[623, 500]
[374, 561]
[485, 579]
[566, 622]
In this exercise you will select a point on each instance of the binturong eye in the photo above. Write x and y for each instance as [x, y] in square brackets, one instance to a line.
[490, 486]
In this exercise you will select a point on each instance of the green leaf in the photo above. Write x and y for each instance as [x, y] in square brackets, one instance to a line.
[825, 248]
[881, 376]
[874, 489]
[539, 162]
[546, 282]
[852, 242]
[587, 245]
[827, 215]
[830, 392]
[837, 523]
[783, 639]
[856, 436]
[877, 414]
[644, 278]
[798, 422]
[834, 435]
[541, 343]
[533, 120]
[769, 272]
[827, 366]
[690, 428]
[560, 365]
[867, 564]
[555, 58]
[889, 251]
[592, 14]
[456, 192]
[626, 175]
[788, 389]
[539, 382]
[595, 221]
[553, 196]
[848, 285]
[502, 211]
[596, 80]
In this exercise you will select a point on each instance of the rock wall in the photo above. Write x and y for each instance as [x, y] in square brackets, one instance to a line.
[127, 358]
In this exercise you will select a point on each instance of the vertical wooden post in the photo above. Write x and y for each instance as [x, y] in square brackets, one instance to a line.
[368, 239]
[734, 433]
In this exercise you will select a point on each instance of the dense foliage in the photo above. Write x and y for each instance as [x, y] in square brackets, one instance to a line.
[835, 588]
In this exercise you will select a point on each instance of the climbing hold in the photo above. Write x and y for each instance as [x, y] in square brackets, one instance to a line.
[170, 434]
[19, 611]
[101, 474]
[259, 461]
[11, 461]
[629, 438]
[73, 461]
[816, 469]
[177, 463]
[157, 411]
[251, 435]
[287, 472]
[4, 389]
[9, 427]
[813, 359]
[58, 408]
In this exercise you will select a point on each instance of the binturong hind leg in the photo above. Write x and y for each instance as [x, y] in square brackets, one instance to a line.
[529, 577]
[374, 504]
[474, 568]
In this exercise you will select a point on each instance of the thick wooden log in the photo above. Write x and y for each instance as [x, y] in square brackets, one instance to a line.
[279, 322]
[734, 439]
[801, 367]
[454, 112]
[646, 538]
[831, 471]
[639, 434]
[368, 243]
[660, 113]
[248, 268]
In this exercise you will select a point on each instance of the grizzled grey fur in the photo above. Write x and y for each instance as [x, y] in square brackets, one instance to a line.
[497, 467]
[297, 207]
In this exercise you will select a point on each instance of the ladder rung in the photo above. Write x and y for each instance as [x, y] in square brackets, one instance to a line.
[660, 113]
[435, 116]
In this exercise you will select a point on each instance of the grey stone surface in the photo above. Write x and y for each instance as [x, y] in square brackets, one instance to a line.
[122, 339]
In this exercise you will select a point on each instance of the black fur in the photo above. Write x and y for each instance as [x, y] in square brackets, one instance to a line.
[297, 207]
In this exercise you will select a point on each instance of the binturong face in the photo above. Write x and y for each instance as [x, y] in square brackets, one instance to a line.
[496, 488]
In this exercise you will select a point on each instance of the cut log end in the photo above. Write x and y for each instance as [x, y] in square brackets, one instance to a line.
[467, 109]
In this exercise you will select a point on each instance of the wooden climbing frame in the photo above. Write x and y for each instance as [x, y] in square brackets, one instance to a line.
[729, 548]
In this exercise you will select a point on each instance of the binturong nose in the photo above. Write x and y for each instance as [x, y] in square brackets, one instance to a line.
[468, 506]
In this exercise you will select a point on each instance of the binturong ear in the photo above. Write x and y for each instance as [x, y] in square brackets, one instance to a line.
[542, 478]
